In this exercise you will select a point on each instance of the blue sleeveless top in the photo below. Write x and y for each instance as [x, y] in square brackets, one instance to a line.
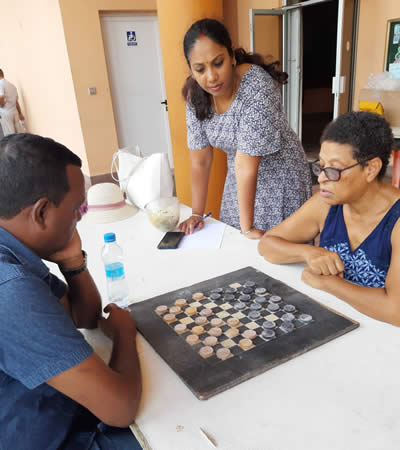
[368, 264]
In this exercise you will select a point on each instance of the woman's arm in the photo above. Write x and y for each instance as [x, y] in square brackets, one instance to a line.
[201, 162]
[379, 303]
[246, 171]
[285, 243]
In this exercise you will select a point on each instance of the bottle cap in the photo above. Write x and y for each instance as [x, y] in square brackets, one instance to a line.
[109, 237]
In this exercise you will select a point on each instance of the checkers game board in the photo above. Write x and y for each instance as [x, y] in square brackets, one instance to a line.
[223, 331]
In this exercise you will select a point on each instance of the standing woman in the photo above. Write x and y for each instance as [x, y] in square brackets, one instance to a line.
[233, 103]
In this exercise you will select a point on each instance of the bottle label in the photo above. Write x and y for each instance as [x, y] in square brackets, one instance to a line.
[115, 271]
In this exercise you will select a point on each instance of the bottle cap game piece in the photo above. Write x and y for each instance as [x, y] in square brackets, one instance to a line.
[198, 296]
[192, 339]
[180, 302]
[223, 353]
[216, 322]
[161, 309]
[287, 326]
[260, 290]
[215, 331]
[306, 318]
[275, 299]
[169, 318]
[244, 298]
[190, 310]
[245, 343]
[215, 296]
[233, 322]
[288, 316]
[198, 330]
[239, 305]
[229, 297]
[249, 334]
[201, 320]
[180, 328]
[268, 334]
[254, 315]
[206, 351]
[289, 308]
[249, 283]
[175, 309]
[260, 300]
[272, 307]
[230, 290]
[210, 341]
[206, 312]
[268, 324]
[255, 306]
[216, 290]
[247, 290]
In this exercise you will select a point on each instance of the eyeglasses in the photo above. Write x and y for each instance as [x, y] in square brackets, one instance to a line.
[331, 173]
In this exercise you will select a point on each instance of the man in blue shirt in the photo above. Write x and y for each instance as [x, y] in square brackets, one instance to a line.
[55, 393]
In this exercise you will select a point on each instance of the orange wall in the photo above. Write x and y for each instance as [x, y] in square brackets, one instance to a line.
[81, 20]
[175, 17]
[236, 18]
[374, 15]
[34, 57]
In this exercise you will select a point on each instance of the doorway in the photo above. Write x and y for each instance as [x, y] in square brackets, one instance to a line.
[319, 64]
[134, 64]
[316, 40]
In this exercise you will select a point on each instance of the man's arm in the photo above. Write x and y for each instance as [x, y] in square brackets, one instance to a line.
[379, 303]
[112, 393]
[83, 301]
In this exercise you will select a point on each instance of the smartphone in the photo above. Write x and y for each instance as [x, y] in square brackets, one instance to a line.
[170, 240]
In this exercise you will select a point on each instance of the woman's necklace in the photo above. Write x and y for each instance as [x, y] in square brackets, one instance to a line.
[236, 84]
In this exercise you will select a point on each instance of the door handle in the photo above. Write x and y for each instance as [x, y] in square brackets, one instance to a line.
[165, 102]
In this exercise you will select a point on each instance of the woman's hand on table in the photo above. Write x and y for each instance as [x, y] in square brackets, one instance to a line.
[323, 262]
[254, 233]
[191, 224]
[317, 281]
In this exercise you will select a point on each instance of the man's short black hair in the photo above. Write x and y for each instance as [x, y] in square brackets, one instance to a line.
[32, 167]
[1, 73]
[369, 135]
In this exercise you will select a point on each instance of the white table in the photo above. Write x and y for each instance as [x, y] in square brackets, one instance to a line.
[340, 396]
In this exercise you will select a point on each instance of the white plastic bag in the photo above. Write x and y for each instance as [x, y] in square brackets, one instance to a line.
[143, 179]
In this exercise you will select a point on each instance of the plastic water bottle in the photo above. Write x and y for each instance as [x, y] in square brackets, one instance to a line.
[113, 259]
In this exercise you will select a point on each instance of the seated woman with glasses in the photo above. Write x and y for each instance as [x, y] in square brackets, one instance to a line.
[355, 216]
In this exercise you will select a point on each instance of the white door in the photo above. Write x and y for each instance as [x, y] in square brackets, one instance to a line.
[133, 55]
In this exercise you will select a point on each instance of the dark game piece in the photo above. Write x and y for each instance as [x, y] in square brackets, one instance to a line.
[272, 307]
[216, 291]
[287, 317]
[247, 290]
[244, 298]
[287, 326]
[249, 283]
[260, 300]
[215, 296]
[230, 290]
[306, 318]
[275, 299]
[239, 306]
[289, 308]
[255, 306]
[254, 315]
[268, 324]
[268, 334]
[229, 297]
[260, 290]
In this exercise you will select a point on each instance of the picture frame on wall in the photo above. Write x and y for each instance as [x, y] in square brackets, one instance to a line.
[392, 51]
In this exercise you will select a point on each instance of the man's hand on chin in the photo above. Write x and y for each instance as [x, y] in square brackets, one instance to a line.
[70, 256]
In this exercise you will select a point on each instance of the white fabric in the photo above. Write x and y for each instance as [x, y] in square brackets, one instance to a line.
[143, 179]
[9, 118]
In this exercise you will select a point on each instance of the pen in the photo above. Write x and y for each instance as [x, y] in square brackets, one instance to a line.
[202, 218]
[207, 215]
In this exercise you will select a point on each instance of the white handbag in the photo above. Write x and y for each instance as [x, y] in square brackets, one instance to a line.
[143, 179]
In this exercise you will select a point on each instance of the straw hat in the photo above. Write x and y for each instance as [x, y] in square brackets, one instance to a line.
[106, 203]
